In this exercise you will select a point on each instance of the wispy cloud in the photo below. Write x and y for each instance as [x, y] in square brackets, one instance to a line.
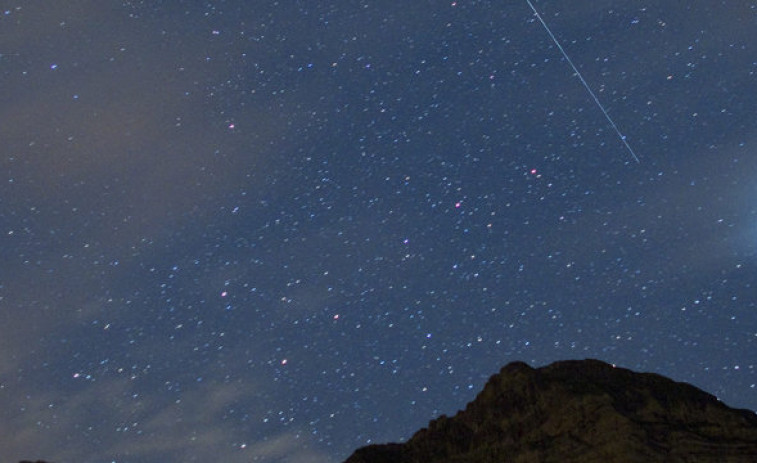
[104, 422]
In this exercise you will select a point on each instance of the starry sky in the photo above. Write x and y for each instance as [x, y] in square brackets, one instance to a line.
[280, 230]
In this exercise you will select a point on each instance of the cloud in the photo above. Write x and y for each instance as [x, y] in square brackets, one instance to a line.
[108, 421]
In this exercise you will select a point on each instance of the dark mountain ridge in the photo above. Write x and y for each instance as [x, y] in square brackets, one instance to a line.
[580, 411]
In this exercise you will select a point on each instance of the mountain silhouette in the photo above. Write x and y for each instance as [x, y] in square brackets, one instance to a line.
[580, 411]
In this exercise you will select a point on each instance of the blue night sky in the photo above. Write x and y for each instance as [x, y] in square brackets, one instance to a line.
[258, 231]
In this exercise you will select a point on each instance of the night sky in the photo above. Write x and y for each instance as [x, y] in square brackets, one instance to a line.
[280, 230]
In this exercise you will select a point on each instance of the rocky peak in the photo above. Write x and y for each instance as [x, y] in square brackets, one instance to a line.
[580, 411]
